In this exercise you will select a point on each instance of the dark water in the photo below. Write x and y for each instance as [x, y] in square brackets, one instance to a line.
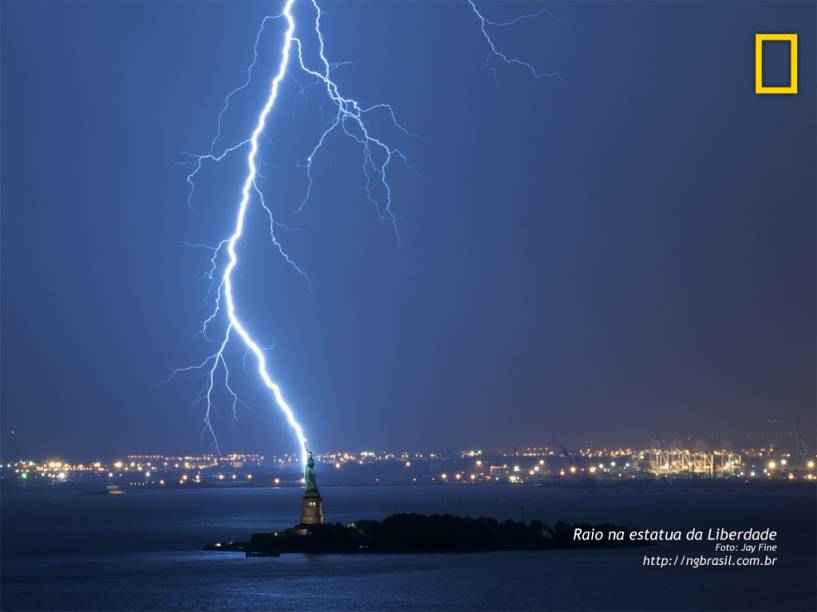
[142, 551]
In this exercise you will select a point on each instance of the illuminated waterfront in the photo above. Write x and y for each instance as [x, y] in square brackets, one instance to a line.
[529, 466]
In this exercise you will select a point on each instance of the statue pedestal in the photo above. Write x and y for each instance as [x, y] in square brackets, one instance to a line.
[311, 508]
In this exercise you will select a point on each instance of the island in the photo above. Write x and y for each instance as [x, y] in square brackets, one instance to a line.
[418, 533]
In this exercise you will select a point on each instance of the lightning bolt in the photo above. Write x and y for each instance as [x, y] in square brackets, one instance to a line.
[377, 158]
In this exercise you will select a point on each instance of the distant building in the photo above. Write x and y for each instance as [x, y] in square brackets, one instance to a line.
[497, 472]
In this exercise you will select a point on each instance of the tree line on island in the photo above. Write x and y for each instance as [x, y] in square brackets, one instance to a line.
[417, 533]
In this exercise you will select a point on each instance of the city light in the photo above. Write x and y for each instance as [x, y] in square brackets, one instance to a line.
[528, 467]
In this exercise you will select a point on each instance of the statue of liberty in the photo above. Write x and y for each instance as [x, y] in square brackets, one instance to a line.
[310, 477]
[311, 502]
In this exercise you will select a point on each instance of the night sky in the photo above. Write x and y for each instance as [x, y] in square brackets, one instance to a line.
[624, 255]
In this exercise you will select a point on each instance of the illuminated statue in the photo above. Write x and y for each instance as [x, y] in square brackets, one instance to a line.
[310, 478]
[311, 502]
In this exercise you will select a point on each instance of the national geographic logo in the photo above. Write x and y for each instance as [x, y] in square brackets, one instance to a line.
[791, 88]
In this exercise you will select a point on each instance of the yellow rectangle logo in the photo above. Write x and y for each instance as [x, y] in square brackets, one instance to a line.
[792, 86]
